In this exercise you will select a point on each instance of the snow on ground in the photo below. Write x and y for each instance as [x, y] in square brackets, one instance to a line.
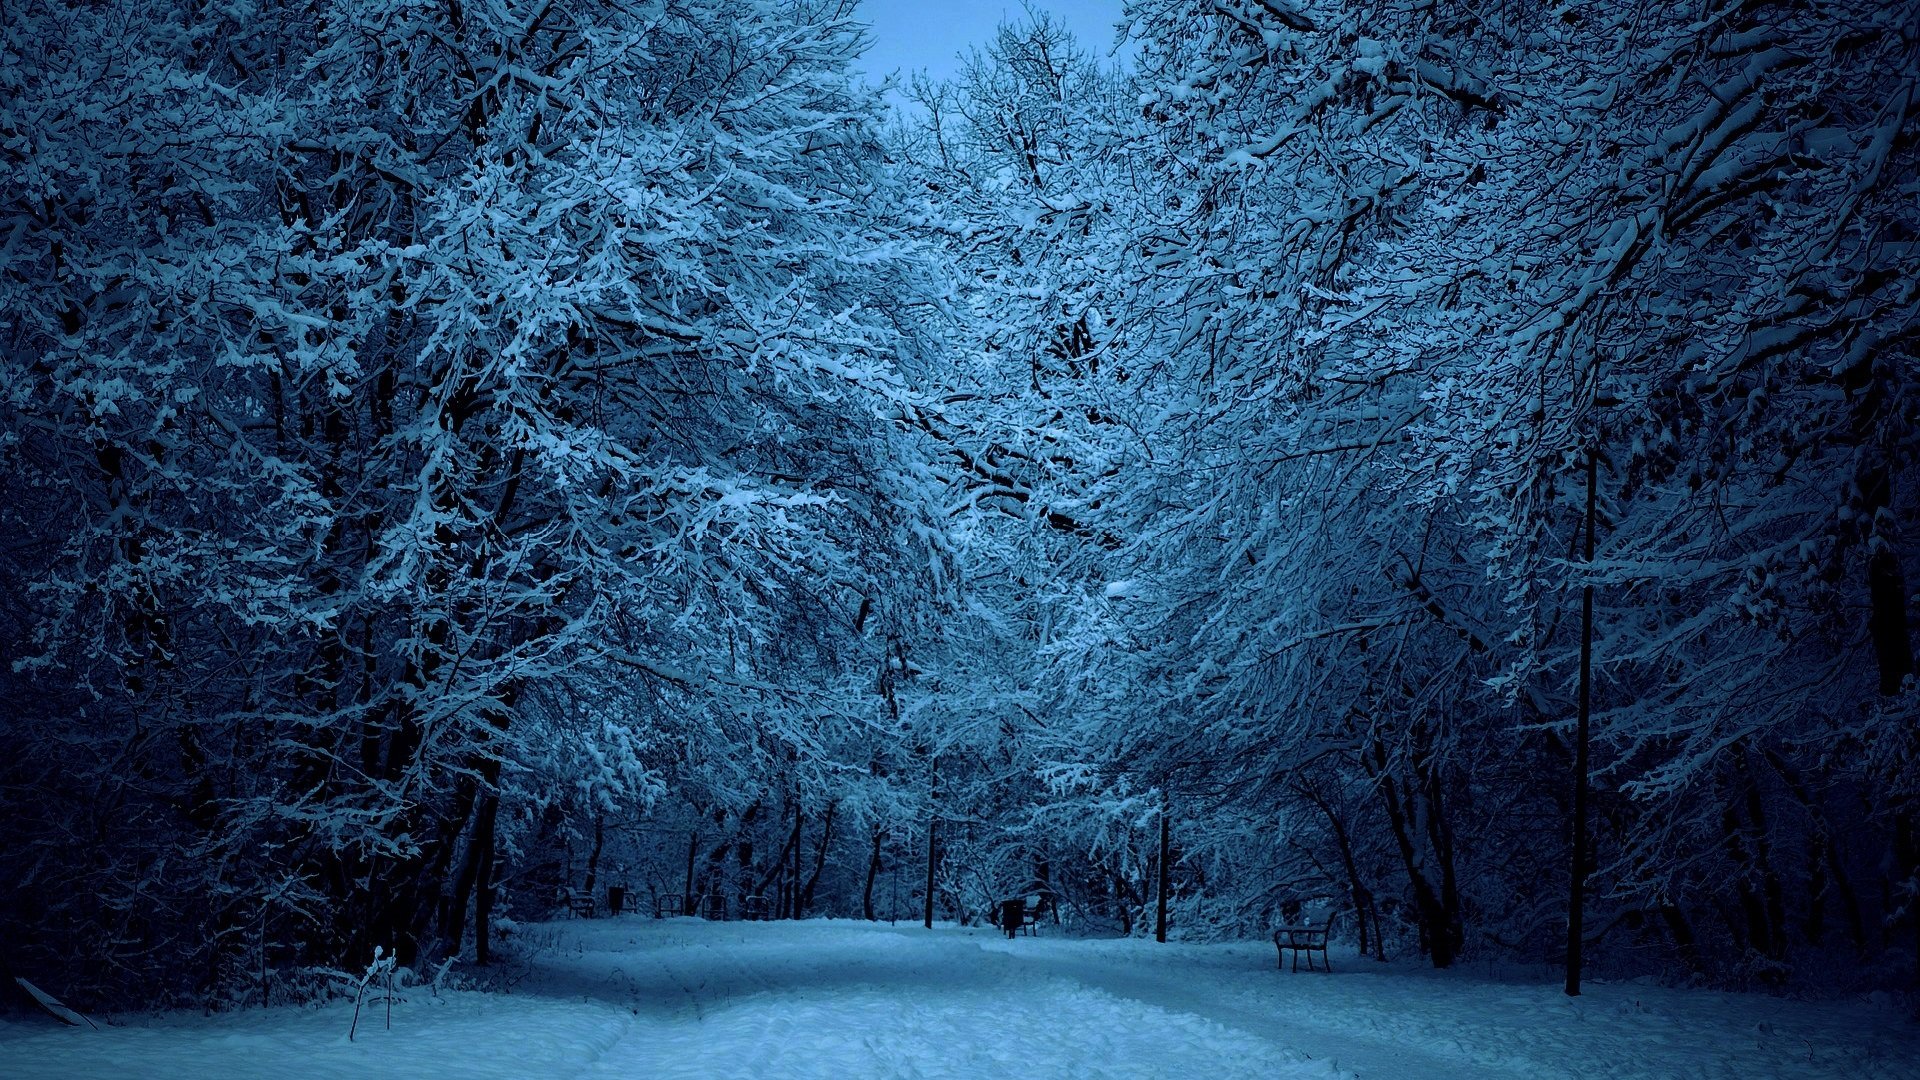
[639, 998]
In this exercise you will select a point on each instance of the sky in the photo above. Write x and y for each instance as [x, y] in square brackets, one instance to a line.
[909, 35]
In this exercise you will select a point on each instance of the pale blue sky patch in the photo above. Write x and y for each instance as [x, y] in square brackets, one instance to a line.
[912, 35]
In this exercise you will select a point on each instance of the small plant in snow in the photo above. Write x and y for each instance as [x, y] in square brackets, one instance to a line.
[380, 971]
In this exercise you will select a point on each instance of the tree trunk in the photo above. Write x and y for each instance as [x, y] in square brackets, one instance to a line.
[1682, 933]
[1577, 884]
[1441, 934]
[1124, 899]
[693, 849]
[1826, 871]
[1166, 872]
[593, 859]
[1887, 620]
[1357, 891]
[819, 863]
[1750, 929]
[453, 907]
[775, 876]
[483, 886]
[1772, 892]
[790, 898]
[933, 832]
[873, 872]
[933, 848]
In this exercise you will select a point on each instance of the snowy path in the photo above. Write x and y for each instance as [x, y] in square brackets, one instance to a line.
[683, 998]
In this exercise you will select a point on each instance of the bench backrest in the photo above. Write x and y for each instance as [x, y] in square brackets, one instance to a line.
[1308, 936]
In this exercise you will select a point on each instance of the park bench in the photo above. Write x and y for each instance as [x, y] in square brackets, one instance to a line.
[756, 908]
[1307, 939]
[713, 906]
[579, 903]
[1021, 914]
[667, 907]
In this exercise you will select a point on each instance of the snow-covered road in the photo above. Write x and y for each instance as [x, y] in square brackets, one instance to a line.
[636, 998]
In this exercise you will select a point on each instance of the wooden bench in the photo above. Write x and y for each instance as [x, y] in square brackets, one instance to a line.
[1030, 913]
[1303, 939]
[756, 908]
[1021, 914]
[713, 906]
[667, 907]
[580, 904]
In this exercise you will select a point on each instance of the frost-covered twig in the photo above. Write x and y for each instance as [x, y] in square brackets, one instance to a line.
[382, 968]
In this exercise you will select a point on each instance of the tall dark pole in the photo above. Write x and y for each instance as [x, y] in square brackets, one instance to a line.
[1577, 892]
[1166, 872]
[933, 838]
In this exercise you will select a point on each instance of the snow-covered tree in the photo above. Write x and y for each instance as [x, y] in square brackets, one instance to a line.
[380, 374]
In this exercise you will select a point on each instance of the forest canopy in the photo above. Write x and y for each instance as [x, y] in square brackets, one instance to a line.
[1448, 466]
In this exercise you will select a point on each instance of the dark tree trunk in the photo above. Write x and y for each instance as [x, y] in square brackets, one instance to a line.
[776, 872]
[1361, 896]
[1826, 871]
[1124, 900]
[468, 797]
[483, 886]
[453, 907]
[1886, 580]
[1166, 872]
[1577, 883]
[933, 849]
[1043, 877]
[1773, 894]
[1440, 842]
[819, 863]
[873, 872]
[593, 857]
[693, 848]
[790, 896]
[1441, 933]
[1751, 928]
[1887, 621]
[1887, 598]
[1682, 933]
[933, 833]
